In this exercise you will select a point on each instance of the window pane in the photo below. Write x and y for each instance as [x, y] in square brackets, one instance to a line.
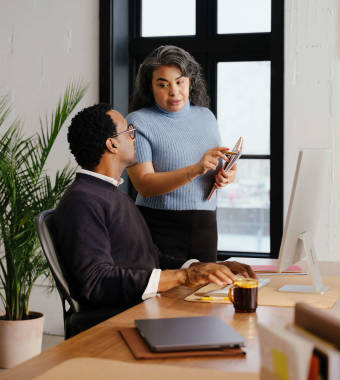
[243, 104]
[168, 18]
[243, 209]
[243, 16]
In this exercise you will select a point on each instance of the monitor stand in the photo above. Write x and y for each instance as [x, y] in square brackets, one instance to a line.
[318, 286]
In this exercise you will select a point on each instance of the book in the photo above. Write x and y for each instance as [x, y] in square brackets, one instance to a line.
[325, 360]
[284, 355]
[233, 157]
[318, 322]
[305, 350]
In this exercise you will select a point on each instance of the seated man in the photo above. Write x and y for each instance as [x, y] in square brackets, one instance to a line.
[105, 245]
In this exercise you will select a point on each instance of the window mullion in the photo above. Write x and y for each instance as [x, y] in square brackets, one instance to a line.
[209, 48]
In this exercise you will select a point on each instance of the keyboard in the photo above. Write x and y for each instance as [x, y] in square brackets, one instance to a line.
[224, 291]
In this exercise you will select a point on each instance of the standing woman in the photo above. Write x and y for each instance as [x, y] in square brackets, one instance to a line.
[179, 154]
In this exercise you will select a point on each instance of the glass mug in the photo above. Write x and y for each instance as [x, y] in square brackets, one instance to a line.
[243, 294]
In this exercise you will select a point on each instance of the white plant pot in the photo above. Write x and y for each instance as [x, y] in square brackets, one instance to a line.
[20, 340]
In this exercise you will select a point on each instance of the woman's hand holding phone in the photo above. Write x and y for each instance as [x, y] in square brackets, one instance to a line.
[210, 159]
[228, 173]
[223, 178]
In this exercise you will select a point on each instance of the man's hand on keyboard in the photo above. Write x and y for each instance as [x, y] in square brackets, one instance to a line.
[222, 273]
[239, 268]
[203, 273]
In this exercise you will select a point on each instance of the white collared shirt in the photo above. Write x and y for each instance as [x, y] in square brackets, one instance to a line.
[153, 283]
[102, 176]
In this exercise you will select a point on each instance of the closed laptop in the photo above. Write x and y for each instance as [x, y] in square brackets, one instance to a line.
[190, 333]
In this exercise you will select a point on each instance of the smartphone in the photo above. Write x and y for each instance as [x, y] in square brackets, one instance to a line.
[234, 155]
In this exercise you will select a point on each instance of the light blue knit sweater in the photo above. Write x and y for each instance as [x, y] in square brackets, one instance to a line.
[173, 140]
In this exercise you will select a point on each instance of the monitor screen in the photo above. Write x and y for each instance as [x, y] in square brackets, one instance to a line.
[307, 198]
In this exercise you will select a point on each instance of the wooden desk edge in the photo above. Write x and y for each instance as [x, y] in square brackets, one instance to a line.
[159, 306]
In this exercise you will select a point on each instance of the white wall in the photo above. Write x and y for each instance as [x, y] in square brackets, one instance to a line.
[312, 102]
[44, 44]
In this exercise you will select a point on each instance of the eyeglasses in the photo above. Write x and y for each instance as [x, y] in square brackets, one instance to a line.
[131, 131]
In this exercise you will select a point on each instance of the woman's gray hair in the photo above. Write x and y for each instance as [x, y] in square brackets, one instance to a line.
[168, 55]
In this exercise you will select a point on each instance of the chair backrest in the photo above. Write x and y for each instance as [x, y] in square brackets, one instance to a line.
[42, 222]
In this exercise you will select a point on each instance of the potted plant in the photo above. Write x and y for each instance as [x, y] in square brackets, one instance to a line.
[25, 190]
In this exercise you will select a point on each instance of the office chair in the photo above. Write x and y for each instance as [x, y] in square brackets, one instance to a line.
[76, 320]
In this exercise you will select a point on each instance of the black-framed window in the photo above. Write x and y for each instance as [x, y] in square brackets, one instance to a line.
[240, 47]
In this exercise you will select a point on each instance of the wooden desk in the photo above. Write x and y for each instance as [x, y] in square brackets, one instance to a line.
[104, 341]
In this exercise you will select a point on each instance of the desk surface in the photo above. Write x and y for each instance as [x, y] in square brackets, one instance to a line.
[103, 341]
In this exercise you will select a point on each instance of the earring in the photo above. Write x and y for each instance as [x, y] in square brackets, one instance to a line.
[190, 88]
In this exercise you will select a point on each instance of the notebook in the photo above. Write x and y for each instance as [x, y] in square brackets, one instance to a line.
[189, 333]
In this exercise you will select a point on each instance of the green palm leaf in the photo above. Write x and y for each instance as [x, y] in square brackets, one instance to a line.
[25, 190]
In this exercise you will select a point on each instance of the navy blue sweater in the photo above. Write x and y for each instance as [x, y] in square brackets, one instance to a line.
[104, 244]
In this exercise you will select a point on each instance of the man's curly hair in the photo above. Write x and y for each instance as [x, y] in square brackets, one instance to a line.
[88, 133]
[168, 55]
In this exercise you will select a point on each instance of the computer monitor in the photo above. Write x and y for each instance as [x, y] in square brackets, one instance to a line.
[306, 201]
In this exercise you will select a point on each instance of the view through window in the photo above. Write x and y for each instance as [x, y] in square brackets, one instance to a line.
[239, 44]
[243, 109]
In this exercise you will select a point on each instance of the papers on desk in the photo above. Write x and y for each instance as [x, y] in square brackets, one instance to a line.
[293, 353]
[270, 296]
